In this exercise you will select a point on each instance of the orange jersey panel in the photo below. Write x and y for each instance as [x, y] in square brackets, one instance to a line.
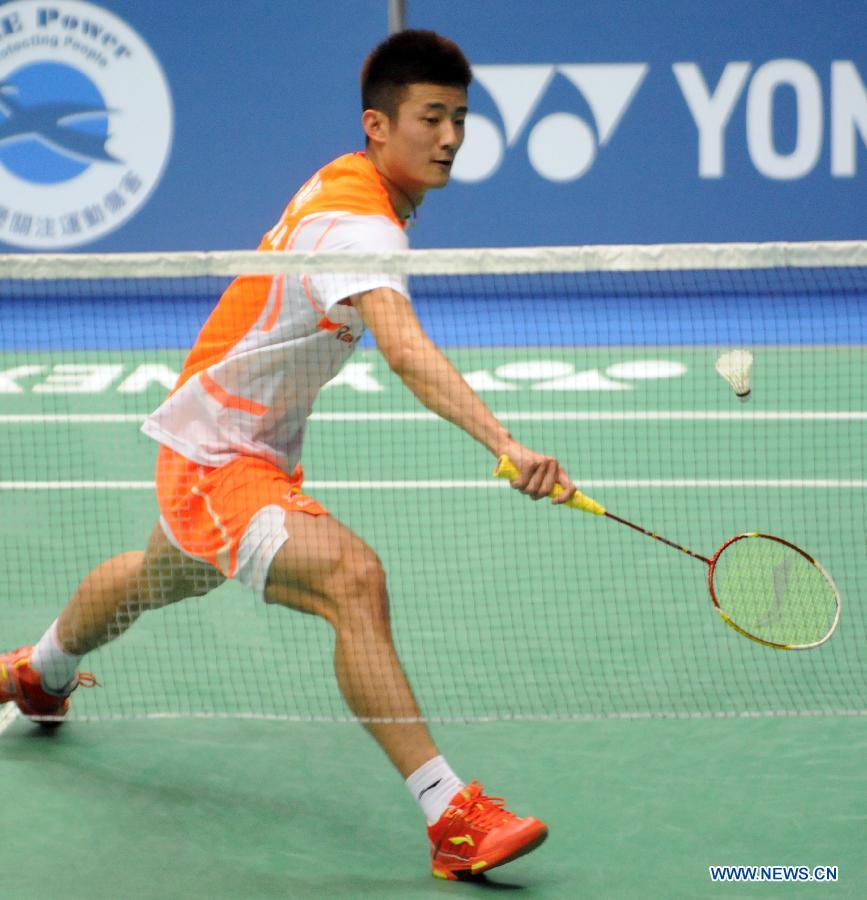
[350, 184]
[272, 342]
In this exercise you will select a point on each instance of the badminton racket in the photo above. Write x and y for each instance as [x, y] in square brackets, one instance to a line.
[764, 587]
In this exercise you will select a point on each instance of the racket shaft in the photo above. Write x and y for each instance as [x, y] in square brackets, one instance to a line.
[507, 469]
[658, 537]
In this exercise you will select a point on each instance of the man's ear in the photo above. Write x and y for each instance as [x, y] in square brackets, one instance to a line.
[375, 124]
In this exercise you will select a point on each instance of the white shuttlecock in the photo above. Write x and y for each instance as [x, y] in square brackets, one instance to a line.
[735, 366]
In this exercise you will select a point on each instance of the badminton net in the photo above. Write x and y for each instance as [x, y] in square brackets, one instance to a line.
[501, 608]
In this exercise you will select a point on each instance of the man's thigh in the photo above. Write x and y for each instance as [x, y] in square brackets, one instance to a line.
[320, 561]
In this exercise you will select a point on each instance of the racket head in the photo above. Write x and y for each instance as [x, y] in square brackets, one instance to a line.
[773, 592]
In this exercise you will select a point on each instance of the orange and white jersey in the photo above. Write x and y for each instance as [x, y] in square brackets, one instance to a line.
[272, 342]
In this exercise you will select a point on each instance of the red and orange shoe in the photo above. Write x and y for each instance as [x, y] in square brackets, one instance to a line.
[477, 833]
[22, 684]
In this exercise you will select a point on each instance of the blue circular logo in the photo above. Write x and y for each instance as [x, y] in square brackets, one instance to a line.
[53, 123]
[85, 123]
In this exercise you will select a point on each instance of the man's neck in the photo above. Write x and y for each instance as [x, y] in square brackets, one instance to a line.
[403, 202]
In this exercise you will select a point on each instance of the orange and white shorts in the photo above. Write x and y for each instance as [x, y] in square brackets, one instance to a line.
[233, 516]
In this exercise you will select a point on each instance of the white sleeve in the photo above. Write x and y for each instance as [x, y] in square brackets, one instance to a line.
[356, 233]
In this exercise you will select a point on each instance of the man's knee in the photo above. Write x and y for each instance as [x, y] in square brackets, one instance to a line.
[329, 572]
[357, 590]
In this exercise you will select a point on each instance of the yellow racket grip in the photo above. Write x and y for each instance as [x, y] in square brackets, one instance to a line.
[507, 469]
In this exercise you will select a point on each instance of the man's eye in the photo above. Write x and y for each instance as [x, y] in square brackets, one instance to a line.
[431, 120]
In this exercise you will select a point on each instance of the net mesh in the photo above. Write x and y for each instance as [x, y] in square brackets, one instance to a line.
[501, 608]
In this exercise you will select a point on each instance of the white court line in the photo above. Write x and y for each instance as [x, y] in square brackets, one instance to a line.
[798, 483]
[686, 415]
[466, 719]
[72, 419]
[8, 714]
[622, 416]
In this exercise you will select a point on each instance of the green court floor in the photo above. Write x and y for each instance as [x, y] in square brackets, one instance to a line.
[566, 662]
[256, 809]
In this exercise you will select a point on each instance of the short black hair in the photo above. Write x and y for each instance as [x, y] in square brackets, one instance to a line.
[410, 57]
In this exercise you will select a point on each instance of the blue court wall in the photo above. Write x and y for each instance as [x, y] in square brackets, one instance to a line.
[191, 124]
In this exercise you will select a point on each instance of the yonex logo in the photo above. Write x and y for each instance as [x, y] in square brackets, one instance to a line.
[712, 110]
[561, 146]
[555, 375]
[85, 123]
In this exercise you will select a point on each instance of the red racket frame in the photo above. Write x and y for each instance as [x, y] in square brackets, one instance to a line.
[506, 469]
[771, 537]
[711, 564]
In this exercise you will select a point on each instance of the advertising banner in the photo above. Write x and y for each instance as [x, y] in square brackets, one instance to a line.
[134, 126]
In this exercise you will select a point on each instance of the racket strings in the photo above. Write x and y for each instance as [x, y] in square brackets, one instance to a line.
[774, 592]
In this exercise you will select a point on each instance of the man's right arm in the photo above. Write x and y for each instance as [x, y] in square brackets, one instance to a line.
[429, 374]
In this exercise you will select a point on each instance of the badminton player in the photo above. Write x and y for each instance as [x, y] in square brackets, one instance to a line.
[229, 486]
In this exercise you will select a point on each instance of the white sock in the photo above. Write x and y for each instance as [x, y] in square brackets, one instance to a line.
[54, 664]
[432, 786]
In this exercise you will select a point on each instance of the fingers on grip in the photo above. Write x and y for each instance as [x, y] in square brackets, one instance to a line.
[507, 469]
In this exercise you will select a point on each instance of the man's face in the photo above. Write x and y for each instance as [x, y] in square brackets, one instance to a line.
[424, 136]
